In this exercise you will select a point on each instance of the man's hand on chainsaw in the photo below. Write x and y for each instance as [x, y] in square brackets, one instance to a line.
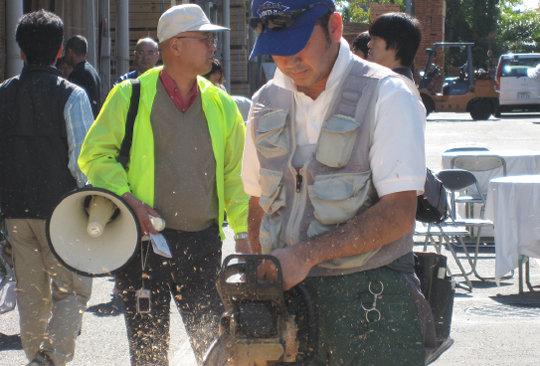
[294, 270]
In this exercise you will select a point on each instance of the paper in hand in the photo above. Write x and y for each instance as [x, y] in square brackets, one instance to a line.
[160, 246]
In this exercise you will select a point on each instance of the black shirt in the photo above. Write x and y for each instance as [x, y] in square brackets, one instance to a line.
[87, 78]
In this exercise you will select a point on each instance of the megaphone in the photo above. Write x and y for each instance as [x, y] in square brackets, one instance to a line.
[93, 232]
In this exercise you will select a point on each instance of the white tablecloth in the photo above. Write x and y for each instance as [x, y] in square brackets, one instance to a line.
[518, 162]
[513, 204]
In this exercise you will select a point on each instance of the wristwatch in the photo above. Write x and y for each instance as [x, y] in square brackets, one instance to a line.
[240, 236]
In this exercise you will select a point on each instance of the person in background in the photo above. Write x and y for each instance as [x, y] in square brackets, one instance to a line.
[146, 55]
[44, 121]
[334, 162]
[83, 73]
[216, 76]
[360, 45]
[64, 67]
[184, 166]
[395, 38]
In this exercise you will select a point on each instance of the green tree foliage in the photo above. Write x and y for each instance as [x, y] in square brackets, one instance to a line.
[358, 10]
[471, 21]
[494, 25]
[519, 31]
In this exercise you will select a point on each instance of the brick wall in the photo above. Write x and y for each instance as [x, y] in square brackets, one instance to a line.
[376, 10]
[351, 30]
[432, 15]
[239, 13]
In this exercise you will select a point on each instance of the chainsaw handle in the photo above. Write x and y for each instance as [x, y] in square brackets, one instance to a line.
[248, 264]
[247, 285]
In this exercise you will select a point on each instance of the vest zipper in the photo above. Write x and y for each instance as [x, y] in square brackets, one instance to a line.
[298, 207]
[298, 182]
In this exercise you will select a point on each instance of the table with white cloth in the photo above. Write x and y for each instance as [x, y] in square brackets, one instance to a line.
[518, 162]
[513, 204]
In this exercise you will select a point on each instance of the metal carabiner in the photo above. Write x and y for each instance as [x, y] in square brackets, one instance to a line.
[374, 305]
[375, 310]
[376, 295]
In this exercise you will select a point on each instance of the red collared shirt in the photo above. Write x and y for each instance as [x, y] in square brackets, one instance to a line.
[173, 92]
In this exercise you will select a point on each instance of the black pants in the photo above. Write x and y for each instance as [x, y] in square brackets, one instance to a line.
[190, 278]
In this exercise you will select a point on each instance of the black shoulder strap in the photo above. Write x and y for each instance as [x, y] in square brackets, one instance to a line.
[123, 158]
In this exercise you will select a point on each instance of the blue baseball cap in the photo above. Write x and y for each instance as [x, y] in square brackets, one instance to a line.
[292, 28]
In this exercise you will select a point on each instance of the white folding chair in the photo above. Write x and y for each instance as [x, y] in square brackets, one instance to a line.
[476, 163]
[456, 180]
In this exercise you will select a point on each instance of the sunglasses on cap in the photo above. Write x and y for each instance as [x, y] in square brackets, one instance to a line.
[282, 20]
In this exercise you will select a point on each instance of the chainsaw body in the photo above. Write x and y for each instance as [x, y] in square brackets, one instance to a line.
[256, 328]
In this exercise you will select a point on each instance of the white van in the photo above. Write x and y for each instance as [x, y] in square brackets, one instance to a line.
[516, 90]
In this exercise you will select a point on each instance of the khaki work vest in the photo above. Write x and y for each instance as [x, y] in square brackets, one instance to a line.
[334, 185]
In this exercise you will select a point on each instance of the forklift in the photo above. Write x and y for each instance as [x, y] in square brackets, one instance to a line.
[468, 92]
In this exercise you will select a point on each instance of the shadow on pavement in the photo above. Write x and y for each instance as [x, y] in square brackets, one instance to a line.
[477, 285]
[467, 118]
[526, 299]
[520, 116]
[451, 120]
[112, 308]
[10, 342]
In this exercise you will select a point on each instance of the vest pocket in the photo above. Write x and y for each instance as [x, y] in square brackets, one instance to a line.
[272, 192]
[270, 233]
[271, 136]
[336, 142]
[337, 198]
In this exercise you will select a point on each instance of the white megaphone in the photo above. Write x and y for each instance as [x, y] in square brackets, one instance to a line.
[93, 232]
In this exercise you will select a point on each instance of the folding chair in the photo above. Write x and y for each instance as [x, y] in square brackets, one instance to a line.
[456, 180]
[476, 163]
[446, 233]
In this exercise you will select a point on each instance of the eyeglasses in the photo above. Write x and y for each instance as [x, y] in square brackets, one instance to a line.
[283, 19]
[143, 53]
[210, 39]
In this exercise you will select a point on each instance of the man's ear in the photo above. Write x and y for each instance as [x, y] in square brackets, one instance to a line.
[60, 51]
[335, 27]
[174, 46]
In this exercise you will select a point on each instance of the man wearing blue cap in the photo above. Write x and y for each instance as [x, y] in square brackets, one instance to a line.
[334, 161]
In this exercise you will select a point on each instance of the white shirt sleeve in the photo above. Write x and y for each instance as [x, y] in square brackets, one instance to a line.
[397, 156]
[250, 163]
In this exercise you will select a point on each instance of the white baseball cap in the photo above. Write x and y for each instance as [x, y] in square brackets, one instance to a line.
[184, 18]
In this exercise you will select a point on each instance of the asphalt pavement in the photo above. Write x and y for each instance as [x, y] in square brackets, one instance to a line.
[492, 325]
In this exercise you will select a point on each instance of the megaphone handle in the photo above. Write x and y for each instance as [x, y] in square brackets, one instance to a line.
[142, 210]
[157, 222]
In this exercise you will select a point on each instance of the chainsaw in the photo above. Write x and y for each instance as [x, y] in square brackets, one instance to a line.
[259, 326]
